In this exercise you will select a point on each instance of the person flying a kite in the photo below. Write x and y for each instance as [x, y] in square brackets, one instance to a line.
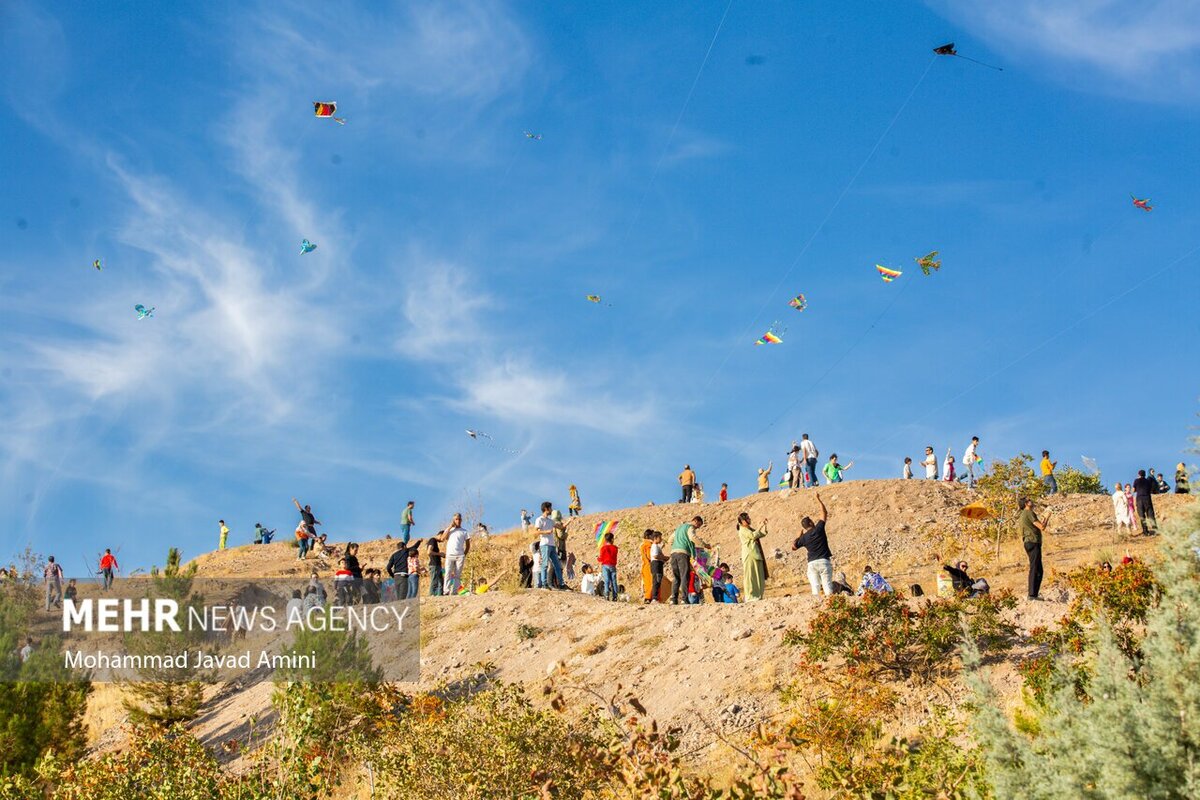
[929, 263]
[887, 274]
[327, 110]
[948, 50]
[1143, 204]
[143, 312]
[307, 247]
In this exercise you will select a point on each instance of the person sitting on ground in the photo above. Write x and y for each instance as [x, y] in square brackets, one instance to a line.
[963, 582]
[872, 581]
[525, 570]
[588, 583]
[731, 593]
[841, 585]
[71, 592]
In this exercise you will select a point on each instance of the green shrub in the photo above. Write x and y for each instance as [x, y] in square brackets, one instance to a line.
[1074, 481]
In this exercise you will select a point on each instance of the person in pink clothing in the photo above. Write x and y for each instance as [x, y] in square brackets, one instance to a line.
[948, 468]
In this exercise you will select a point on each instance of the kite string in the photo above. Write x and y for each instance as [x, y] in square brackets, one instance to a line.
[1046, 341]
[828, 215]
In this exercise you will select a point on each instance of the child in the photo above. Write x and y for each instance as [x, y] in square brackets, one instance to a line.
[71, 592]
[948, 468]
[833, 470]
[694, 595]
[537, 562]
[724, 495]
[608, 567]
[414, 570]
[731, 593]
[587, 584]
[525, 570]
[658, 561]
[343, 583]
[908, 473]
[387, 590]
[718, 583]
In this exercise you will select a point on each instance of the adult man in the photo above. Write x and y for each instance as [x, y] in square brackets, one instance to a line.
[551, 565]
[809, 451]
[970, 458]
[793, 467]
[306, 517]
[820, 559]
[687, 480]
[764, 477]
[683, 549]
[1047, 467]
[397, 568]
[833, 470]
[406, 521]
[930, 464]
[1031, 535]
[54, 576]
[458, 544]
[108, 566]
[1143, 487]
[224, 535]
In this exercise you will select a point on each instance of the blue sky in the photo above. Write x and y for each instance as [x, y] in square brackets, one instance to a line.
[178, 145]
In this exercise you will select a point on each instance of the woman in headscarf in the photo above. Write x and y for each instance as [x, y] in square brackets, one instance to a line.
[754, 563]
[1121, 508]
[647, 576]
[1181, 479]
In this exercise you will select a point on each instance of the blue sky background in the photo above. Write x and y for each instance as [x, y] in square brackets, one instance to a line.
[447, 292]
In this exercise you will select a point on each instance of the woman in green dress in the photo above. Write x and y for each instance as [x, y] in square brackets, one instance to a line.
[754, 563]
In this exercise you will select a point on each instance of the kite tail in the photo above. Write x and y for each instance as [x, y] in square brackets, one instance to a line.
[342, 120]
[980, 63]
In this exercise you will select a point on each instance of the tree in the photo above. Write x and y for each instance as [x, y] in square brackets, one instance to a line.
[1138, 735]
[1001, 489]
[1074, 481]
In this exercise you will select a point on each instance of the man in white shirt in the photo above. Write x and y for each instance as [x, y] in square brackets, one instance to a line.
[930, 464]
[458, 544]
[809, 451]
[969, 460]
[546, 526]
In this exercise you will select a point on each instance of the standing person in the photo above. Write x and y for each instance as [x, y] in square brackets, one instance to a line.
[754, 563]
[356, 572]
[970, 459]
[262, 535]
[526, 520]
[687, 480]
[53, 575]
[647, 571]
[908, 473]
[793, 467]
[1130, 501]
[1031, 536]
[1048, 473]
[71, 592]
[458, 544]
[1163, 488]
[1154, 482]
[948, 468]
[433, 556]
[608, 566]
[1181, 479]
[560, 536]
[303, 539]
[397, 569]
[551, 566]
[809, 451]
[525, 570]
[658, 561]
[27, 650]
[406, 521]
[1143, 488]
[108, 567]
[683, 549]
[224, 535]
[1121, 509]
[310, 523]
[724, 494]
[575, 507]
[414, 570]
[930, 464]
[833, 470]
[764, 478]
[820, 559]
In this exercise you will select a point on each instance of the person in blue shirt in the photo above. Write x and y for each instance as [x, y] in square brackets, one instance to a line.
[732, 593]
[872, 581]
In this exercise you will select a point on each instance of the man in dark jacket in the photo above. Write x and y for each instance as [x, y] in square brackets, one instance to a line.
[1143, 488]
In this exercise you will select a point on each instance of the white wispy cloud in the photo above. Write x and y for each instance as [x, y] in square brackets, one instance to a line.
[1148, 50]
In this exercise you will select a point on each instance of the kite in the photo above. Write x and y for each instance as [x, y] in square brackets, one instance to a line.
[770, 337]
[1143, 204]
[480, 436]
[463, 591]
[143, 312]
[537, 137]
[595, 298]
[928, 262]
[1091, 464]
[888, 275]
[327, 110]
[96, 264]
[307, 247]
[799, 302]
[608, 526]
[948, 50]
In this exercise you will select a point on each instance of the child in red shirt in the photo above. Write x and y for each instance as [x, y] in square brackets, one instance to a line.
[724, 492]
[608, 567]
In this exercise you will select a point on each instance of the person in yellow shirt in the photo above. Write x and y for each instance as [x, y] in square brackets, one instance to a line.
[764, 477]
[1048, 473]
[687, 481]
[224, 535]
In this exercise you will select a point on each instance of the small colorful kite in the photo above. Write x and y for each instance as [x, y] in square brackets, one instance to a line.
[888, 275]
[96, 264]
[463, 591]
[327, 110]
[143, 312]
[307, 247]
[929, 263]
[608, 526]
[480, 436]
[770, 337]
[1143, 204]
[799, 302]
[537, 137]
[948, 50]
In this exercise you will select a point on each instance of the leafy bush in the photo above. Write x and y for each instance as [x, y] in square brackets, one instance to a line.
[881, 635]
[525, 632]
[1074, 481]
